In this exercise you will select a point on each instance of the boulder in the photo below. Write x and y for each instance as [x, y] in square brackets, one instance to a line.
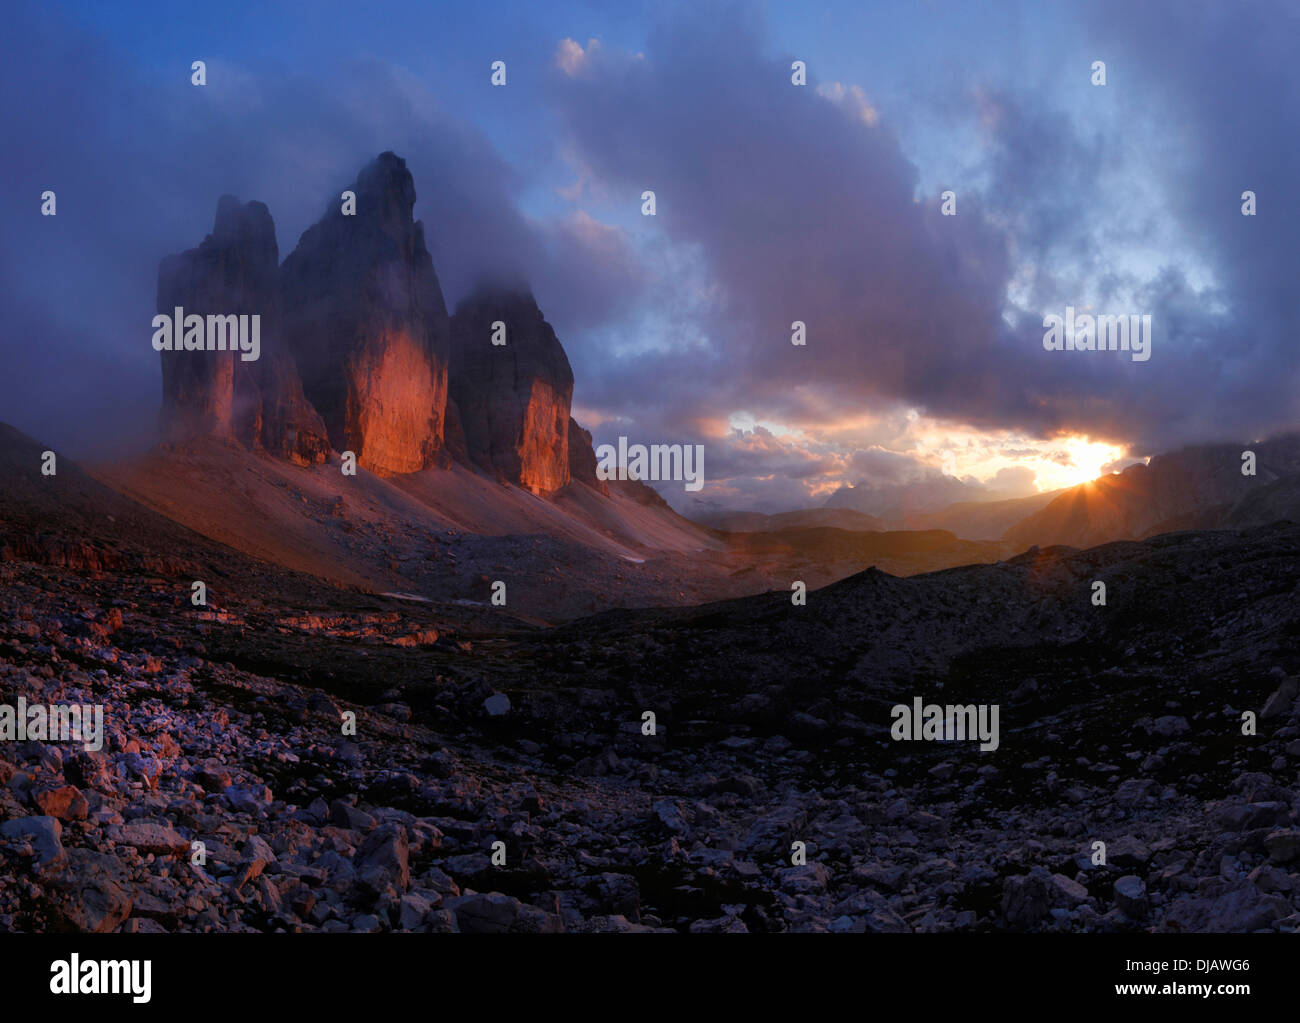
[384, 858]
[43, 833]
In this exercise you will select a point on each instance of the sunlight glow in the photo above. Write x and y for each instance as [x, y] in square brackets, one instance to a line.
[1086, 459]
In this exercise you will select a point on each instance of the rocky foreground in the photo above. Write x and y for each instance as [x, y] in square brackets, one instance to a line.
[225, 726]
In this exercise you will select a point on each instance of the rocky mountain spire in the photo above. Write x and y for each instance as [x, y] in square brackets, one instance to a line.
[512, 399]
[366, 321]
[358, 352]
[259, 402]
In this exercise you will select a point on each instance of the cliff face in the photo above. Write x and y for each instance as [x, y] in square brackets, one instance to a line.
[513, 399]
[258, 403]
[366, 321]
[582, 458]
[358, 352]
[291, 427]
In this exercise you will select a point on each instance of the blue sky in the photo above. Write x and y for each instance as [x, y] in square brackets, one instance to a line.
[775, 202]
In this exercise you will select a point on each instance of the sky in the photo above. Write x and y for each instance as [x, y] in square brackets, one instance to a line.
[923, 364]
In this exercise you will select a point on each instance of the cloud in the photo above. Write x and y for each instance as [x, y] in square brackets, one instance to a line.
[138, 162]
[852, 99]
[775, 202]
[571, 58]
[1013, 481]
[801, 207]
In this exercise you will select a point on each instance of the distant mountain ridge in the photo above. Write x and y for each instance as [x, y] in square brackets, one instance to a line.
[894, 502]
[756, 522]
[1195, 488]
[981, 520]
[969, 520]
[1199, 487]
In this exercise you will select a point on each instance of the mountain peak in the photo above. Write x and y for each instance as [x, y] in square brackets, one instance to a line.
[365, 317]
[245, 224]
[371, 362]
[258, 404]
[513, 397]
[386, 192]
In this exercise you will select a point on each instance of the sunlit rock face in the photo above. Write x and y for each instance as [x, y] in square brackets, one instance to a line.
[358, 352]
[256, 403]
[366, 321]
[513, 399]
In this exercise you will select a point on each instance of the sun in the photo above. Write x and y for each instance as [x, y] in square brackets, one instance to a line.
[1086, 459]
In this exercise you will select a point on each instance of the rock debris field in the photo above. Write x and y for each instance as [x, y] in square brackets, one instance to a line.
[500, 777]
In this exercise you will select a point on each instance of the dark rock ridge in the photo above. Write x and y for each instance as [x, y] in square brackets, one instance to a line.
[582, 458]
[259, 404]
[365, 317]
[512, 399]
[1194, 488]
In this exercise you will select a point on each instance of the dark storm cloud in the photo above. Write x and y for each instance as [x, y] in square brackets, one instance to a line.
[1226, 74]
[775, 203]
[803, 209]
[138, 162]
[758, 452]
